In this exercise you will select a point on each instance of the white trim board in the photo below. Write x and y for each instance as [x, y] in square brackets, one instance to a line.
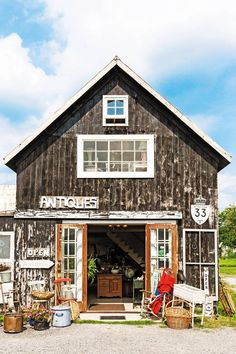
[139, 80]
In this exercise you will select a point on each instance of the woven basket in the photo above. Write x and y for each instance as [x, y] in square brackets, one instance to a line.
[42, 295]
[178, 317]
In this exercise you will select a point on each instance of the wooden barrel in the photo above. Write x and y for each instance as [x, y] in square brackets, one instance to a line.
[13, 323]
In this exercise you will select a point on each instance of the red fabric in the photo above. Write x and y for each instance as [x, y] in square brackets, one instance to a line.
[62, 280]
[165, 285]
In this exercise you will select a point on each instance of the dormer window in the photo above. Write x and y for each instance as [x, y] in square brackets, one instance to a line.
[115, 110]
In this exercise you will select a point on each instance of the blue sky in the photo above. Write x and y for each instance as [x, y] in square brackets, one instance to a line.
[186, 50]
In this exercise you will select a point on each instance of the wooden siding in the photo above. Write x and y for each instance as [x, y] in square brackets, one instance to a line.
[184, 169]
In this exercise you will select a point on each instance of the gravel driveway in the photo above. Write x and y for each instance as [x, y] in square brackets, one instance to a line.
[108, 339]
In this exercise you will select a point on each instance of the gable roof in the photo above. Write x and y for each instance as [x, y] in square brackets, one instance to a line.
[225, 157]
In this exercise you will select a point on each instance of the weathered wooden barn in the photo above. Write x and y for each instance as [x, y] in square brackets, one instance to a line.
[121, 175]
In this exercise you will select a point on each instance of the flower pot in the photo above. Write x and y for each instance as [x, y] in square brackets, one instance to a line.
[41, 325]
[13, 323]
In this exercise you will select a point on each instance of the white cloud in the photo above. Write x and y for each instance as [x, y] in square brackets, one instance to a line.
[156, 38]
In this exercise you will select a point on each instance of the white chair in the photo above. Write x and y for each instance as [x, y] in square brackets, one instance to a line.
[37, 285]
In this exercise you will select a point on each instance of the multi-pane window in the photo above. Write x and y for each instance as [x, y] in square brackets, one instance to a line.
[72, 258]
[161, 253]
[161, 248]
[115, 110]
[124, 156]
[200, 259]
[69, 246]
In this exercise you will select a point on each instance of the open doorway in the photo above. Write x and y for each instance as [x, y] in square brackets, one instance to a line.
[119, 254]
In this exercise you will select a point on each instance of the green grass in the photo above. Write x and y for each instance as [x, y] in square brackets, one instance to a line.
[227, 266]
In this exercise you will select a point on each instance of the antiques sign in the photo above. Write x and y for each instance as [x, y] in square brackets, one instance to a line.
[61, 202]
[200, 211]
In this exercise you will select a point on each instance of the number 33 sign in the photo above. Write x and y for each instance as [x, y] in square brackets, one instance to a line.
[200, 211]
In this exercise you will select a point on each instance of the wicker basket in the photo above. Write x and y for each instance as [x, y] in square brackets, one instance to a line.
[42, 295]
[178, 317]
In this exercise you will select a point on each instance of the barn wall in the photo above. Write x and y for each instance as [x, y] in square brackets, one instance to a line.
[184, 169]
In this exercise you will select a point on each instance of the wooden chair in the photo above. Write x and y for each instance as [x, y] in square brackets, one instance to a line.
[63, 292]
[37, 286]
[154, 303]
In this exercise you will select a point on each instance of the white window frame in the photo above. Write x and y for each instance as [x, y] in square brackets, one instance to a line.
[202, 264]
[11, 260]
[106, 116]
[115, 174]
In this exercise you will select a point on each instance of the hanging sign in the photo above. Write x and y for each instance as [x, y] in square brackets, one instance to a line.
[200, 211]
[63, 202]
[38, 252]
[36, 263]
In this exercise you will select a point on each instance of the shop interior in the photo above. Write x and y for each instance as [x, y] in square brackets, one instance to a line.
[116, 266]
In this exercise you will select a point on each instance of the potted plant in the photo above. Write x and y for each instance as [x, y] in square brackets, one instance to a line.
[38, 317]
[92, 269]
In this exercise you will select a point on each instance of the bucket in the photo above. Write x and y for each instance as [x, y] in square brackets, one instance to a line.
[61, 316]
[13, 323]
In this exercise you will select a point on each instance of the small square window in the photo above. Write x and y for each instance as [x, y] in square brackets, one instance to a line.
[115, 110]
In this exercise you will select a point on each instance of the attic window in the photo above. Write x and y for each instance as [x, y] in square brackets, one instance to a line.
[115, 110]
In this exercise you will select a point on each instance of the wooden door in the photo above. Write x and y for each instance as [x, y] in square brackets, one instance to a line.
[161, 251]
[71, 258]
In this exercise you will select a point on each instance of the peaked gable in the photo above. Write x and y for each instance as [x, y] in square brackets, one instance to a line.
[224, 156]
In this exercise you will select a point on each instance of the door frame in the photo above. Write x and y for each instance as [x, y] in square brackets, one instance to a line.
[149, 227]
[58, 257]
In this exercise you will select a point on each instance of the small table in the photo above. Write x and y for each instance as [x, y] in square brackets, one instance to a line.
[193, 295]
[137, 295]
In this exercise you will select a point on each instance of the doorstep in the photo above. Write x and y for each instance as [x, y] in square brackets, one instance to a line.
[117, 316]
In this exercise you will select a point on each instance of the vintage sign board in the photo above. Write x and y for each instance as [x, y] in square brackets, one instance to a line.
[68, 202]
[38, 252]
[36, 263]
[200, 212]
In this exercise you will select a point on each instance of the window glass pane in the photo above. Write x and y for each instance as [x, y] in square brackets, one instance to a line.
[88, 166]
[111, 103]
[119, 111]
[119, 103]
[65, 249]
[102, 156]
[72, 249]
[141, 156]
[141, 167]
[115, 145]
[115, 156]
[72, 234]
[66, 234]
[161, 250]
[65, 264]
[141, 145]
[128, 145]
[128, 156]
[161, 235]
[102, 145]
[111, 111]
[115, 167]
[89, 145]
[72, 276]
[5, 246]
[102, 166]
[72, 263]
[89, 156]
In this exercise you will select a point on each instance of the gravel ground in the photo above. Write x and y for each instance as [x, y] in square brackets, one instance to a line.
[109, 339]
